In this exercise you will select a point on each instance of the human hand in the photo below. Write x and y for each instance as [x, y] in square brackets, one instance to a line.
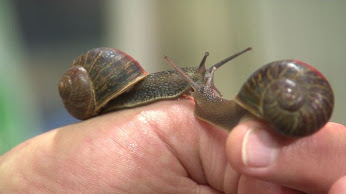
[159, 148]
[268, 162]
[163, 148]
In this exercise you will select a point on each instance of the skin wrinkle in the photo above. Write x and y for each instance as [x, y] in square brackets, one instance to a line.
[164, 140]
[176, 154]
[116, 187]
[138, 157]
[168, 142]
[46, 177]
[217, 134]
[200, 178]
[319, 145]
[75, 170]
[186, 164]
[78, 168]
[132, 125]
[296, 149]
[223, 169]
[229, 171]
[154, 125]
[300, 147]
[183, 180]
[27, 180]
[117, 144]
[36, 185]
[38, 168]
[161, 135]
[118, 148]
[201, 145]
[78, 171]
[200, 156]
[77, 148]
[131, 154]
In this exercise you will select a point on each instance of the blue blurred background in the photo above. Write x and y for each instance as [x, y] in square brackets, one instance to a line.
[39, 39]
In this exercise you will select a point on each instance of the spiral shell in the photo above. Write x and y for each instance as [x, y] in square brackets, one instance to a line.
[97, 77]
[292, 96]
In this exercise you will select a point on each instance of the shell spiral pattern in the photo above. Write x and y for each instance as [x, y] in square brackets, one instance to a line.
[292, 96]
[95, 78]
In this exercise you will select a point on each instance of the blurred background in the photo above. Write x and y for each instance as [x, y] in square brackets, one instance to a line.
[39, 39]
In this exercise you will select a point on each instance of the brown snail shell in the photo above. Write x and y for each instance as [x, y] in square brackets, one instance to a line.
[97, 77]
[292, 96]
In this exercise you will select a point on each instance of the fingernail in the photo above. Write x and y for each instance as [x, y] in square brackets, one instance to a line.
[259, 148]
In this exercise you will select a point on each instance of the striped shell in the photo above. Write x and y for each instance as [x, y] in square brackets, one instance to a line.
[95, 78]
[292, 96]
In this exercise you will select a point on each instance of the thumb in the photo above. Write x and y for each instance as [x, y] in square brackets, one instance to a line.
[339, 186]
[310, 164]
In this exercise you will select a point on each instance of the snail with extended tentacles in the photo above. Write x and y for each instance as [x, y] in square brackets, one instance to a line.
[293, 97]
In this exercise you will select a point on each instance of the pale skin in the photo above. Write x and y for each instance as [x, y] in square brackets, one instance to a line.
[163, 148]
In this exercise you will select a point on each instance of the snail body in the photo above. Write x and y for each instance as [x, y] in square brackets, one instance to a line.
[105, 79]
[291, 96]
[156, 86]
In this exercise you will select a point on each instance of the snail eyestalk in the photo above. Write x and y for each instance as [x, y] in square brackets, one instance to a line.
[209, 74]
[219, 64]
[182, 73]
[201, 68]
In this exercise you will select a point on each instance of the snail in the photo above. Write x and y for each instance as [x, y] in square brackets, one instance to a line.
[294, 98]
[105, 79]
